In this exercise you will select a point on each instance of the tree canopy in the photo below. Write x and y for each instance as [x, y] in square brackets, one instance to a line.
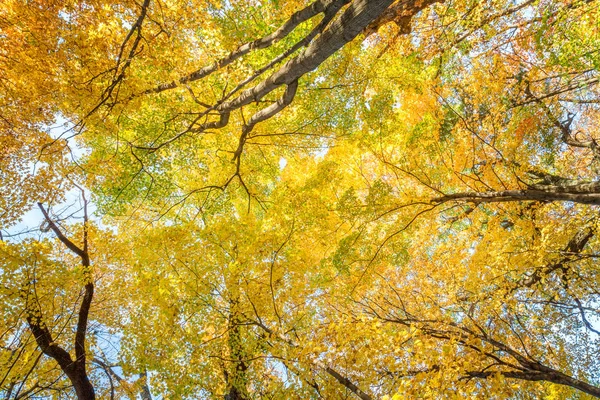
[368, 199]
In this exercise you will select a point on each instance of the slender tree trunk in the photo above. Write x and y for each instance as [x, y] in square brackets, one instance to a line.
[74, 369]
[236, 377]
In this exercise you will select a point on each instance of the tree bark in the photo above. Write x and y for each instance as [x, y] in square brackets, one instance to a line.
[548, 376]
[236, 378]
[74, 369]
[583, 193]
[358, 15]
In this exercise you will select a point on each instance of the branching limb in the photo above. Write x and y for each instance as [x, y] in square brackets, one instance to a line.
[122, 65]
[573, 248]
[524, 367]
[341, 30]
[583, 192]
[74, 369]
[265, 114]
[284, 30]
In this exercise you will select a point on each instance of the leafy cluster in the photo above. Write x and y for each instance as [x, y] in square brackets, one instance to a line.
[328, 199]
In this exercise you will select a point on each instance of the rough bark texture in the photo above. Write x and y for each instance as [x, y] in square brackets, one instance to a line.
[358, 15]
[400, 13]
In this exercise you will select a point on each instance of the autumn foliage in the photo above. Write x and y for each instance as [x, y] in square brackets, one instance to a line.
[369, 199]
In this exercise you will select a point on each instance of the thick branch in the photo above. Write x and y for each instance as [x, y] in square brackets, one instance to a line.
[44, 339]
[143, 383]
[341, 31]
[401, 13]
[551, 376]
[584, 193]
[265, 114]
[84, 311]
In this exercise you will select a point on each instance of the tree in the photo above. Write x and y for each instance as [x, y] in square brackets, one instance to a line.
[320, 199]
